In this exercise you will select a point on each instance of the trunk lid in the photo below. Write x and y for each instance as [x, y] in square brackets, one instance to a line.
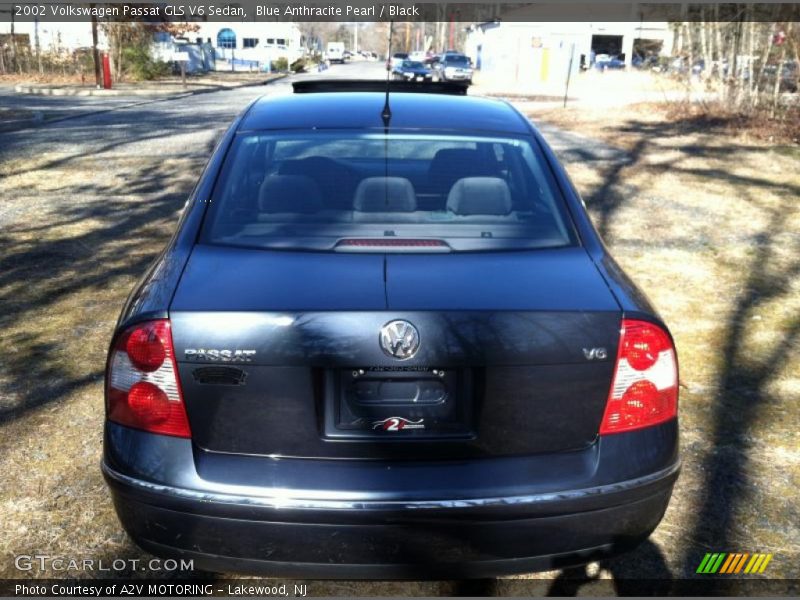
[292, 365]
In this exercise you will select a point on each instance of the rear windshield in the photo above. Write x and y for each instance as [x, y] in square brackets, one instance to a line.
[322, 190]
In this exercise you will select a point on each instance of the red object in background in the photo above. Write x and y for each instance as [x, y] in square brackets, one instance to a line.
[452, 33]
[106, 72]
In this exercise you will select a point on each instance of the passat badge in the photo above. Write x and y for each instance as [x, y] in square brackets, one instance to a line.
[219, 354]
[399, 339]
[398, 424]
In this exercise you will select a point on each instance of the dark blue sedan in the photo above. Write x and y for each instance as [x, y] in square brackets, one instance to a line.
[411, 70]
[386, 341]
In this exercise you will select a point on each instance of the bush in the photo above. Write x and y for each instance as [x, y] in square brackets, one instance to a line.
[141, 66]
[280, 64]
[298, 66]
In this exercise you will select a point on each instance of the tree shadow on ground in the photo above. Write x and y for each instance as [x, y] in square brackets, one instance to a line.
[741, 393]
[60, 275]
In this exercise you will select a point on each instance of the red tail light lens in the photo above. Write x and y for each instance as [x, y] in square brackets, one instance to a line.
[149, 402]
[143, 388]
[145, 348]
[644, 391]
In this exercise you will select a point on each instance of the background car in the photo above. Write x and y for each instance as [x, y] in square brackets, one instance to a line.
[790, 77]
[454, 67]
[411, 70]
[335, 52]
[431, 59]
[396, 59]
[606, 61]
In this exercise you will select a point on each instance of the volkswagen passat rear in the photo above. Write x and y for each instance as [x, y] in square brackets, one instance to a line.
[386, 341]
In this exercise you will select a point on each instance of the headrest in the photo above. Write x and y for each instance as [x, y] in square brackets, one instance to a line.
[289, 194]
[385, 194]
[458, 156]
[479, 196]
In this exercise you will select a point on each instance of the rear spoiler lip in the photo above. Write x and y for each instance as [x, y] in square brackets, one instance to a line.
[312, 86]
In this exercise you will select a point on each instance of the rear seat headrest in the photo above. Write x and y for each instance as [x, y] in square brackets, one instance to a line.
[479, 196]
[385, 194]
[289, 194]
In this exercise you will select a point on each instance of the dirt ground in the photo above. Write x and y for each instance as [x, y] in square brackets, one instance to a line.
[706, 222]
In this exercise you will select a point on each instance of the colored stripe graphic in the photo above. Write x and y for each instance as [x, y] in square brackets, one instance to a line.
[764, 564]
[727, 564]
[717, 564]
[711, 563]
[752, 563]
[701, 568]
[741, 562]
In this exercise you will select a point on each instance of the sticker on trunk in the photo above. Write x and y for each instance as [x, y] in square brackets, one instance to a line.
[398, 424]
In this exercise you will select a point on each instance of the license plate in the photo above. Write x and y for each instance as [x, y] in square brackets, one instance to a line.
[374, 402]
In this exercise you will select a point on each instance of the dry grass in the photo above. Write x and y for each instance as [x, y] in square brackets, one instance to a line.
[707, 224]
[90, 228]
[52, 78]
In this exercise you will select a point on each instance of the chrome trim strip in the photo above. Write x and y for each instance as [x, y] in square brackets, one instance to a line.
[280, 501]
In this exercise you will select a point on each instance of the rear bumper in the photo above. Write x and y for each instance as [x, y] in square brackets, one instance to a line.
[409, 545]
[292, 532]
[221, 534]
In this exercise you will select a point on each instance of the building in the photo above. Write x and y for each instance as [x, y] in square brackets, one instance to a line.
[216, 45]
[250, 45]
[536, 56]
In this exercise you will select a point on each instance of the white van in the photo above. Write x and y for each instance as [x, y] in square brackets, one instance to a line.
[335, 52]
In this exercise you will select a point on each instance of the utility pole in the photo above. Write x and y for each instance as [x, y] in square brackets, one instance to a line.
[95, 53]
[13, 44]
[36, 42]
[452, 32]
[569, 73]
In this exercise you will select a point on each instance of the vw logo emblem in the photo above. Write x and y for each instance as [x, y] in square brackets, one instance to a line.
[399, 339]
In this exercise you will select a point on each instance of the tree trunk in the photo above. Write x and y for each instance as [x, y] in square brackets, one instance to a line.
[762, 70]
[733, 66]
[718, 43]
[704, 44]
[777, 86]
[751, 49]
[95, 53]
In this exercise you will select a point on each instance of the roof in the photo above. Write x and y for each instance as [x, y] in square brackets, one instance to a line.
[362, 110]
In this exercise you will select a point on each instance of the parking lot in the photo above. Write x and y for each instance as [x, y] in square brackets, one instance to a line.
[707, 223]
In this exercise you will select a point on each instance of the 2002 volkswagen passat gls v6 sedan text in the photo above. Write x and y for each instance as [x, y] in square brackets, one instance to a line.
[386, 341]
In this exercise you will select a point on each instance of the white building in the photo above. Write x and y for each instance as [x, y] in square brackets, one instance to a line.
[235, 46]
[536, 55]
[250, 45]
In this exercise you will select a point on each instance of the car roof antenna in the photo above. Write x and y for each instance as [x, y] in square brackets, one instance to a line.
[386, 114]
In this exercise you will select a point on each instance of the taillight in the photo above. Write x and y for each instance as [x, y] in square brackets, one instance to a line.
[143, 389]
[644, 390]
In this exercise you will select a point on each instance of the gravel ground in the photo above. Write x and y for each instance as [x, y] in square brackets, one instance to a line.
[88, 202]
